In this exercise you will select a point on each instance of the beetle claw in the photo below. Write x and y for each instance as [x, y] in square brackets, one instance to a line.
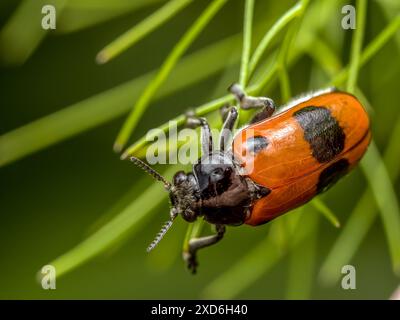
[191, 261]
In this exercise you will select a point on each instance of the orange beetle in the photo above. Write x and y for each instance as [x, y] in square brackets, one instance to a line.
[275, 164]
[302, 151]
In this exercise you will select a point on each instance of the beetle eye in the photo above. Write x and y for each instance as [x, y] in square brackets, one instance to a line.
[217, 172]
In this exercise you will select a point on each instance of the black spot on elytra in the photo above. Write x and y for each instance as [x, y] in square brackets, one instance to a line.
[321, 131]
[255, 144]
[330, 175]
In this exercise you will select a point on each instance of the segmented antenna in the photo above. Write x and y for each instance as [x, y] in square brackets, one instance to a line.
[163, 230]
[159, 235]
[142, 165]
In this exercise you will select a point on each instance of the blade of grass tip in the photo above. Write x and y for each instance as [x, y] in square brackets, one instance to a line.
[23, 32]
[136, 33]
[326, 212]
[302, 262]
[166, 68]
[179, 120]
[356, 45]
[372, 48]
[266, 78]
[385, 196]
[361, 218]
[247, 34]
[305, 38]
[128, 220]
[200, 111]
[271, 34]
[110, 104]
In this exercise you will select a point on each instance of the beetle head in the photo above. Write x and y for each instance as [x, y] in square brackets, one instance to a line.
[182, 197]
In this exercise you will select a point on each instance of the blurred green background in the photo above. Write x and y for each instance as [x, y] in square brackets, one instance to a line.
[53, 199]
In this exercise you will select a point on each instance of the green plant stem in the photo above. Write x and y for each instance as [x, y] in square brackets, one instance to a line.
[111, 103]
[247, 34]
[286, 92]
[200, 111]
[271, 34]
[166, 68]
[372, 164]
[385, 196]
[361, 219]
[357, 45]
[282, 62]
[79, 15]
[23, 32]
[262, 257]
[136, 33]
[131, 218]
[302, 261]
[323, 55]
[373, 47]
[193, 231]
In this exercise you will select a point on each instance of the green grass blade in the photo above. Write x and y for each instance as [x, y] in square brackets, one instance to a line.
[361, 218]
[372, 164]
[110, 104]
[166, 68]
[79, 15]
[324, 56]
[302, 262]
[271, 34]
[356, 45]
[286, 92]
[193, 231]
[129, 221]
[107, 4]
[326, 212]
[136, 33]
[246, 271]
[282, 65]
[247, 34]
[200, 111]
[354, 231]
[262, 257]
[23, 32]
[373, 47]
[386, 199]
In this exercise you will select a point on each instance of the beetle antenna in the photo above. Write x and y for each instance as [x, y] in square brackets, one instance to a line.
[163, 231]
[142, 165]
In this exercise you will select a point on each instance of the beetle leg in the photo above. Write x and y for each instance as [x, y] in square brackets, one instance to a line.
[248, 102]
[223, 111]
[227, 128]
[198, 243]
[193, 121]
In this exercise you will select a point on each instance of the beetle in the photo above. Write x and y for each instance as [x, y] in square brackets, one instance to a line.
[276, 163]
